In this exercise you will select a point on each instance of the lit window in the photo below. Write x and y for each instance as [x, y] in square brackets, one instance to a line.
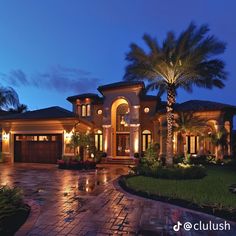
[43, 138]
[88, 110]
[83, 110]
[99, 112]
[146, 109]
[98, 140]
[192, 143]
[146, 139]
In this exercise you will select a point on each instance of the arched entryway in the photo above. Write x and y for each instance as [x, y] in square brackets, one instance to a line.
[120, 113]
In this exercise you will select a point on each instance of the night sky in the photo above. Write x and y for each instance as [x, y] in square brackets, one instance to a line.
[51, 49]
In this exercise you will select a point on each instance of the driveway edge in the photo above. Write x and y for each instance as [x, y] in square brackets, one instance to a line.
[32, 218]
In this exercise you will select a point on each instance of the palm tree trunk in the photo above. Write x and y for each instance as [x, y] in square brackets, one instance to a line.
[170, 120]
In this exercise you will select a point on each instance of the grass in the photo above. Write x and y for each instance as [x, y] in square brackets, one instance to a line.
[13, 210]
[211, 191]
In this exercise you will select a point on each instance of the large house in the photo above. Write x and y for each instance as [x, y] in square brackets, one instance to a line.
[123, 119]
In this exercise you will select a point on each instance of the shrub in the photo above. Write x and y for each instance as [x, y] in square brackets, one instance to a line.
[136, 155]
[191, 172]
[13, 211]
[178, 159]
[104, 154]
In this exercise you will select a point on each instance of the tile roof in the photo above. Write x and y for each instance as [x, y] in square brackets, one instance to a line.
[201, 105]
[46, 113]
[83, 96]
[119, 85]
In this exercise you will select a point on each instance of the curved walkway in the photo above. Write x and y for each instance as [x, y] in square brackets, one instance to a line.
[81, 203]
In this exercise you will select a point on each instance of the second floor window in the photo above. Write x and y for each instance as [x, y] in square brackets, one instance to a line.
[85, 110]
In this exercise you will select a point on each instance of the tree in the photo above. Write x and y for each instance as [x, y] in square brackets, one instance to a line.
[21, 108]
[8, 98]
[180, 62]
[219, 139]
[186, 122]
[82, 140]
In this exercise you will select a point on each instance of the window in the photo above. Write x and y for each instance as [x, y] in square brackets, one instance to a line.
[146, 109]
[98, 140]
[43, 138]
[78, 110]
[83, 110]
[192, 143]
[88, 112]
[146, 139]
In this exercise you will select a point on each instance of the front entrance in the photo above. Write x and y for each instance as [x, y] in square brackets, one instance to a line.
[122, 144]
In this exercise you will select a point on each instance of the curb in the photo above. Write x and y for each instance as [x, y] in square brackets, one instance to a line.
[171, 205]
[31, 220]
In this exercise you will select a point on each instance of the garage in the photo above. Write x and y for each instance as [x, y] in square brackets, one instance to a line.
[37, 148]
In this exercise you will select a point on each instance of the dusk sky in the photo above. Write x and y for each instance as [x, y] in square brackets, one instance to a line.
[51, 49]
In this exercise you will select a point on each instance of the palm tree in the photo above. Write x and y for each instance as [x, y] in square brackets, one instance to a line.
[219, 139]
[8, 98]
[178, 63]
[21, 108]
[186, 122]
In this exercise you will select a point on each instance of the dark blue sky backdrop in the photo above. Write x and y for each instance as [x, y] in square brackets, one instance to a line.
[51, 49]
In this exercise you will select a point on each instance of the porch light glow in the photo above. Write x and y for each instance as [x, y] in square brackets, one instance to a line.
[67, 136]
[122, 122]
[5, 136]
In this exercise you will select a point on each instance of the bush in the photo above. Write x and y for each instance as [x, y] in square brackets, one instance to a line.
[13, 211]
[176, 172]
[178, 159]
[136, 155]
[104, 154]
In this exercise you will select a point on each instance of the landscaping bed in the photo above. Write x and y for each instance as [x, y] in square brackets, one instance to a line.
[210, 194]
[13, 210]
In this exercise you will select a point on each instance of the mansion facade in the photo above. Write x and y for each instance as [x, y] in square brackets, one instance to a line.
[123, 120]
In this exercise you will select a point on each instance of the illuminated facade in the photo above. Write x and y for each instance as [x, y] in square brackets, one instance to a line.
[123, 121]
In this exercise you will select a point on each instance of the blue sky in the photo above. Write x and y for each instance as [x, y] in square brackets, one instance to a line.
[67, 47]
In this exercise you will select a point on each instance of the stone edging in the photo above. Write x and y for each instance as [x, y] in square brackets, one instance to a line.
[31, 220]
[133, 195]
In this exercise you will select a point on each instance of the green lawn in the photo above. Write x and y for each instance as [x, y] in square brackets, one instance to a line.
[212, 190]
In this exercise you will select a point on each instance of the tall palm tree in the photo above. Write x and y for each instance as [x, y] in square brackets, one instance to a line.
[8, 98]
[180, 62]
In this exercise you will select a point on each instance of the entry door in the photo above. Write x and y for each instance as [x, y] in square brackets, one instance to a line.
[122, 144]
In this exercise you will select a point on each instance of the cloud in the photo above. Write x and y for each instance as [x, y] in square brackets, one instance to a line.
[59, 78]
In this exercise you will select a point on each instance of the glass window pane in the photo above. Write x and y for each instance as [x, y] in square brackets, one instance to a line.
[83, 110]
[100, 142]
[88, 110]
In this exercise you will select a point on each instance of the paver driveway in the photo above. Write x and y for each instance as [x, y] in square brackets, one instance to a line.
[88, 203]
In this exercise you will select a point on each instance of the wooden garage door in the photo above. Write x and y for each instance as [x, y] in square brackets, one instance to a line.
[41, 148]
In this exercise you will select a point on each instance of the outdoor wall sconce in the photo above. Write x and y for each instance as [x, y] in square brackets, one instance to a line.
[5, 136]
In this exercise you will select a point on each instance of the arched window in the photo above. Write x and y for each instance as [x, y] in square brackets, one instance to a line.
[88, 106]
[146, 139]
[98, 140]
[83, 110]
